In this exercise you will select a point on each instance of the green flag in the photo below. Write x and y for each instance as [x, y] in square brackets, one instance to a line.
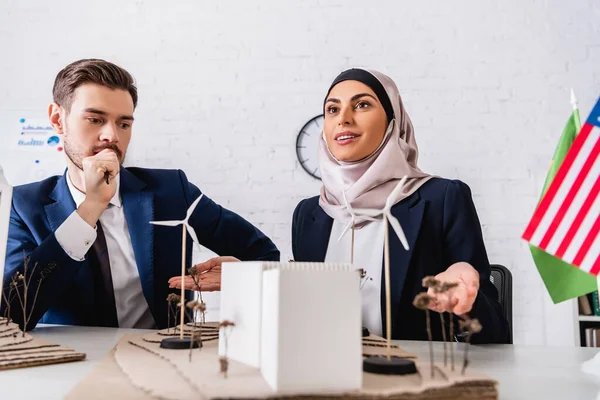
[563, 281]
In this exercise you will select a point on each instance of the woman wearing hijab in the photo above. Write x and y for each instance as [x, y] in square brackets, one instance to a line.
[367, 146]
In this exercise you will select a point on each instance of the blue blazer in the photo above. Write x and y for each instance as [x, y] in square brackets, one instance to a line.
[66, 295]
[442, 228]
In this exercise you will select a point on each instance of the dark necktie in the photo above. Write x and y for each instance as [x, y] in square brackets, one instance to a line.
[105, 308]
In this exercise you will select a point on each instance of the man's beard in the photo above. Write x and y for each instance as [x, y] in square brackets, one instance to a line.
[77, 156]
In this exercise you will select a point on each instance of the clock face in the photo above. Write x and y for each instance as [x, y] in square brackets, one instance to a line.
[307, 144]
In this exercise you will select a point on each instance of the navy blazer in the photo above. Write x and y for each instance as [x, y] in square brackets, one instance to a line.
[442, 228]
[66, 295]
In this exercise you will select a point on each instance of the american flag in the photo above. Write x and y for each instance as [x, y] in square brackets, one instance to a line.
[567, 220]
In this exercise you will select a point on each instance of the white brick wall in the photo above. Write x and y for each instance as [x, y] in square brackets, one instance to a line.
[225, 86]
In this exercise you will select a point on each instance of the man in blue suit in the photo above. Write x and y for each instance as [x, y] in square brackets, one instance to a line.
[86, 234]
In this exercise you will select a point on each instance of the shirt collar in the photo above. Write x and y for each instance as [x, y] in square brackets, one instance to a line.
[79, 197]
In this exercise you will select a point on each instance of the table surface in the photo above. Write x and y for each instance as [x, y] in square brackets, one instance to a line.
[523, 372]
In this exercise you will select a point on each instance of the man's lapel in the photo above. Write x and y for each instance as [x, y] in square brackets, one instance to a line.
[139, 211]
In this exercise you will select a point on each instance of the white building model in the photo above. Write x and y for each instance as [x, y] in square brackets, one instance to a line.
[299, 323]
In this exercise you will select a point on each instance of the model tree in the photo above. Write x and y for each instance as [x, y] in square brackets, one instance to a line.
[21, 285]
[470, 327]
[225, 326]
[422, 302]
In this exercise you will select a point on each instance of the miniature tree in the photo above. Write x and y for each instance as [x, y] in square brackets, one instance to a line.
[224, 365]
[470, 326]
[196, 335]
[172, 299]
[422, 301]
[431, 282]
[169, 312]
[23, 280]
[193, 306]
[202, 309]
[196, 338]
[195, 275]
[8, 300]
[226, 326]
[446, 287]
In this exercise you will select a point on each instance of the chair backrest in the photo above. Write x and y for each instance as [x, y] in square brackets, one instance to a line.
[501, 278]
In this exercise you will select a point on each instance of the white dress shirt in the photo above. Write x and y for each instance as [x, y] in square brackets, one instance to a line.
[76, 237]
[368, 255]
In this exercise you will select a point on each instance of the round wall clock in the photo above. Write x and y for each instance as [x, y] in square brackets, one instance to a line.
[307, 145]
